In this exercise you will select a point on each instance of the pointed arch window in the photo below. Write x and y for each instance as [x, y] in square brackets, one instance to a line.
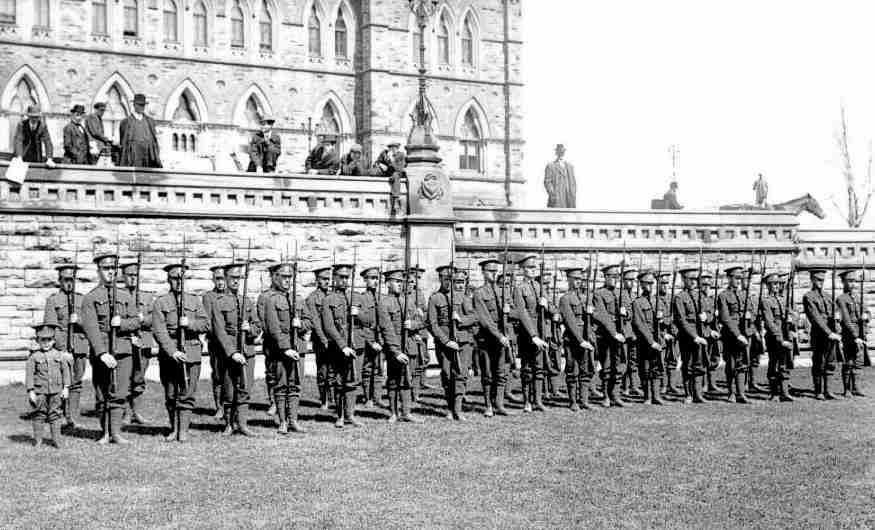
[41, 13]
[7, 11]
[200, 25]
[471, 143]
[24, 96]
[314, 33]
[443, 41]
[131, 27]
[468, 43]
[186, 109]
[237, 32]
[117, 109]
[98, 17]
[252, 113]
[330, 123]
[171, 22]
[265, 27]
[340, 37]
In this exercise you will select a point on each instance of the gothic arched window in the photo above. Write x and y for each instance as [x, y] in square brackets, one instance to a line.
[443, 41]
[471, 143]
[253, 113]
[237, 33]
[171, 22]
[340, 37]
[186, 109]
[468, 43]
[265, 27]
[117, 109]
[314, 33]
[200, 25]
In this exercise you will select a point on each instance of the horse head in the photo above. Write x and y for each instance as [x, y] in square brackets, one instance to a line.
[813, 207]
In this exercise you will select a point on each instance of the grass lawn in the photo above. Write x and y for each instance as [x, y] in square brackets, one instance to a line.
[806, 464]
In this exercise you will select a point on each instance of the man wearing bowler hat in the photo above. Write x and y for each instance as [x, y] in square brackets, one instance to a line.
[76, 139]
[264, 148]
[32, 142]
[139, 141]
[560, 182]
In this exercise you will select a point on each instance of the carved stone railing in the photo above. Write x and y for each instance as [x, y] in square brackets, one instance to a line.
[849, 247]
[646, 230]
[90, 190]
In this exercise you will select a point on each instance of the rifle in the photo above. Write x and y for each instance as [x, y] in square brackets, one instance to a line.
[554, 332]
[659, 337]
[791, 284]
[745, 321]
[861, 330]
[618, 315]
[502, 313]
[406, 297]
[180, 307]
[112, 313]
[700, 331]
[349, 316]
[292, 301]
[241, 313]
[588, 294]
[372, 381]
[71, 302]
[833, 320]
[541, 295]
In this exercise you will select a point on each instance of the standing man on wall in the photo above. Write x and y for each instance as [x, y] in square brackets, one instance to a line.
[94, 126]
[77, 149]
[139, 141]
[32, 142]
[560, 182]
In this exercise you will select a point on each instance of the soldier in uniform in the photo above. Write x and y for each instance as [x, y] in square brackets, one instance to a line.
[690, 343]
[401, 325]
[143, 343]
[824, 341]
[533, 331]
[671, 356]
[493, 342]
[729, 313]
[63, 309]
[711, 331]
[610, 340]
[179, 350]
[239, 364]
[314, 303]
[419, 358]
[111, 345]
[47, 381]
[778, 339]
[370, 319]
[577, 341]
[853, 343]
[285, 344]
[550, 387]
[628, 386]
[754, 335]
[217, 360]
[453, 345]
[347, 345]
[649, 346]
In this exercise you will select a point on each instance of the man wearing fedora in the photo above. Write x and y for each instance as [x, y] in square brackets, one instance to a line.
[323, 159]
[560, 182]
[138, 139]
[94, 126]
[76, 139]
[32, 142]
[264, 148]
[352, 162]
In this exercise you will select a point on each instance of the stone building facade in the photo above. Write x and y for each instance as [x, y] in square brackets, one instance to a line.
[209, 67]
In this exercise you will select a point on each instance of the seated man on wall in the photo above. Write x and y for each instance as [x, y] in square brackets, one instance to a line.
[323, 160]
[352, 162]
[32, 142]
[264, 148]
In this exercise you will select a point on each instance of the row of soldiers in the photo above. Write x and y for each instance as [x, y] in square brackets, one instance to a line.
[624, 335]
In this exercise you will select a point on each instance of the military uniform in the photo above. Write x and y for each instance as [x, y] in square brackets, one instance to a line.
[632, 368]
[179, 378]
[774, 314]
[687, 319]
[314, 303]
[398, 341]
[446, 329]
[612, 354]
[848, 306]
[644, 316]
[59, 308]
[112, 385]
[217, 359]
[47, 380]
[578, 341]
[237, 378]
[143, 344]
[533, 323]
[671, 355]
[494, 322]
[730, 314]
[822, 315]
[756, 341]
[371, 362]
[419, 357]
[711, 325]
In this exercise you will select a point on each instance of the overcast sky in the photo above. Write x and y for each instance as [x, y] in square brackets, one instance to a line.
[741, 87]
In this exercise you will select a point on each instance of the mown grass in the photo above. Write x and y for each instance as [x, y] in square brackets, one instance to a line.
[807, 464]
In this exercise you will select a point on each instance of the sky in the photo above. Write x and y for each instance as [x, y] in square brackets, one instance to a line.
[739, 87]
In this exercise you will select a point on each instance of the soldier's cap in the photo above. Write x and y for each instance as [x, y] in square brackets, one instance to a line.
[666, 275]
[127, 264]
[818, 274]
[355, 148]
[689, 272]
[397, 274]
[98, 259]
[64, 267]
[706, 275]
[772, 277]
[78, 109]
[735, 270]
[393, 144]
[283, 269]
[322, 272]
[525, 259]
[343, 269]
[100, 105]
[575, 273]
[444, 270]
[419, 271]
[172, 267]
[215, 268]
[489, 263]
[630, 273]
[139, 99]
[647, 276]
[502, 277]
[848, 275]
[460, 274]
[610, 269]
[45, 329]
[369, 271]
[235, 266]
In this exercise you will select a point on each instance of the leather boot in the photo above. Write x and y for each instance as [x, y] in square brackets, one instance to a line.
[217, 399]
[242, 413]
[538, 397]
[615, 400]
[782, 389]
[55, 430]
[846, 385]
[323, 398]
[338, 406]
[171, 413]
[739, 389]
[854, 389]
[104, 426]
[655, 396]
[818, 387]
[457, 409]
[115, 426]
[669, 386]
[572, 397]
[526, 388]
[826, 393]
[229, 420]
[499, 402]
[184, 419]
[633, 388]
[688, 391]
[281, 413]
[599, 393]
[292, 405]
[406, 415]
[136, 417]
[394, 399]
[488, 399]
[38, 429]
[72, 409]
[696, 390]
[646, 387]
[583, 394]
[349, 410]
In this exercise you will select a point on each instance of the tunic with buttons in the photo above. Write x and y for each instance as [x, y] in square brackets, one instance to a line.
[164, 321]
[95, 319]
[334, 320]
[439, 317]
[315, 301]
[57, 312]
[226, 311]
[147, 340]
[849, 309]
[729, 313]
[278, 321]
[46, 372]
[526, 298]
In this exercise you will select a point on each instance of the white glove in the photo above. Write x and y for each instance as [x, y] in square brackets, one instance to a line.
[860, 342]
[31, 396]
[835, 336]
[792, 335]
[590, 309]
[245, 327]
[656, 346]
[557, 318]
[542, 302]
[74, 318]
[183, 322]
[108, 360]
[292, 354]
[714, 334]
[703, 317]
[179, 356]
[135, 340]
[787, 344]
[50, 163]
[65, 393]
[505, 309]
[355, 310]
[619, 337]
[296, 322]
[453, 345]
[702, 341]
[238, 358]
[504, 341]
[623, 311]
[349, 352]
[456, 316]
[660, 315]
[742, 339]
[408, 324]
[540, 343]
[668, 336]
[141, 316]
[377, 347]
[402, 358]
[587, 345]
[419, 312]
[116, 321]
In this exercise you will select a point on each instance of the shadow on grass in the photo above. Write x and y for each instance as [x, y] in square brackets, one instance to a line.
[25, 439]
[147, 430]
[209, 427]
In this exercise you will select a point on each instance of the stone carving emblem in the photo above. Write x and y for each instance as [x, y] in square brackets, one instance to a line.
[431, 188]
